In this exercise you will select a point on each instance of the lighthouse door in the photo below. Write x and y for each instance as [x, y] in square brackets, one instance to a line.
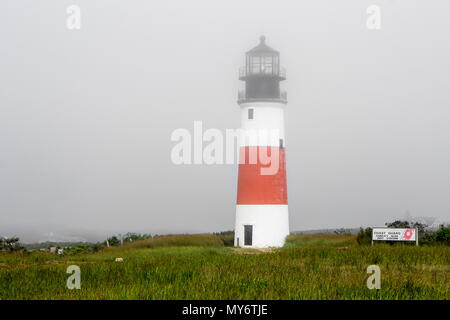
[248, 235]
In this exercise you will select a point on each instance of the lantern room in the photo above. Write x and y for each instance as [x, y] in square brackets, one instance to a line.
[262, 75]
[262, 59]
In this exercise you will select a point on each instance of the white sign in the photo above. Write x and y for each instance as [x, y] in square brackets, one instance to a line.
[391, 234]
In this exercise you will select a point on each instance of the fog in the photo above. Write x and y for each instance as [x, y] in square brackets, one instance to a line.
[86, 115]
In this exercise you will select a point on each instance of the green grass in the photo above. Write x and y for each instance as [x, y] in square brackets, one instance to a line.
[305, 240]
[201, 267]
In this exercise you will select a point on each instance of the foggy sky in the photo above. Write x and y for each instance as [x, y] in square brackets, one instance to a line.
[86, 115]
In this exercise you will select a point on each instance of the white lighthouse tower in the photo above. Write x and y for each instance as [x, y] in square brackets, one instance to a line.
[262, 218]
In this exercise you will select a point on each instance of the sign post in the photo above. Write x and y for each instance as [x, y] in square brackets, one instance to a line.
[395, 234]
[417, 237]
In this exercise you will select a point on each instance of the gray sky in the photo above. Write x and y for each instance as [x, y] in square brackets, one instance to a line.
[86, 115]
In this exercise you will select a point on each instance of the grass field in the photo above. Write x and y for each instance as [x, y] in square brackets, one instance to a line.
[201, 267]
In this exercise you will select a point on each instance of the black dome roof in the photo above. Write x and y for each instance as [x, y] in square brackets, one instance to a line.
[262, 47]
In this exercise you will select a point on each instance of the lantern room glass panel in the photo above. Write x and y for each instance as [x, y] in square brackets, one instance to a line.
[255, 64]
[262, 64]
[267, 65]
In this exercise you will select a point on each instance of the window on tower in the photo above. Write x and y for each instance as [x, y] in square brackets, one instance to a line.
[250, 114]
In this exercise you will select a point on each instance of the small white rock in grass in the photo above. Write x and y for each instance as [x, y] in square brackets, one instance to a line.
[119, 260]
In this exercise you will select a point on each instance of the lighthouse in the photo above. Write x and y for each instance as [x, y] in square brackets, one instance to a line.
[262, 218]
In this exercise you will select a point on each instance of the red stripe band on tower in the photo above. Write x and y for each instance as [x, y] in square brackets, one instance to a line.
[255, 187]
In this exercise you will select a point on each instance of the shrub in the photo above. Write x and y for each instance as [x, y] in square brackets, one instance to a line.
[227, 237]
[113, 241]
[443, 235]
[364, 236]
[427, 237]
[11, 244]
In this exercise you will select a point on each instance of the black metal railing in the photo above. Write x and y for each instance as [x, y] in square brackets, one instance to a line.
[242, 97]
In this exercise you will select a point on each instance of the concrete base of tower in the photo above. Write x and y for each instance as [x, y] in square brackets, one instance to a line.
[261, 226]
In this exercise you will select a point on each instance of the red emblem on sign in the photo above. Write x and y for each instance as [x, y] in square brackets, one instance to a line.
[408, 234]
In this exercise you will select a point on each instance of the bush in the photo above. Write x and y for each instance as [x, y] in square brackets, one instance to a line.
[443, 235]
[113, 241]
[11, 244]
[427, 238]
[364, 236]
[227, 237]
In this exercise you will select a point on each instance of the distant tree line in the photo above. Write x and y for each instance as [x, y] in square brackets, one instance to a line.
[13, 245]
[128, 237]
[343, 232]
